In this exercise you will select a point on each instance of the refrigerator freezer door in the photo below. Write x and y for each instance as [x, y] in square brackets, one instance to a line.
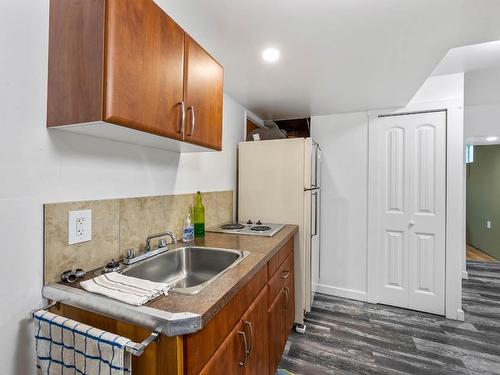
[312, 165]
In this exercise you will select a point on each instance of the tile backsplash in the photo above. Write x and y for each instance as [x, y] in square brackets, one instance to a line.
[121, 224]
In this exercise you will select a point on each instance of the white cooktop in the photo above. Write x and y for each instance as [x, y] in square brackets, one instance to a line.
[249, 228]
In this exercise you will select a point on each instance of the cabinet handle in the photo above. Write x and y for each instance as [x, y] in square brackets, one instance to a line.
[287, 298]
[285, 274]
[182, 118]
[245, 347]
[250, 329]
[193, 121]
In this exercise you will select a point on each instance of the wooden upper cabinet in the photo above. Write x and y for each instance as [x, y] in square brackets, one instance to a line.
[76, 53]
[143, 68]
[203, 95]
[127, 63]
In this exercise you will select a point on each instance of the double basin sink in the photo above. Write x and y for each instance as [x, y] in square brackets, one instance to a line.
[187, 269]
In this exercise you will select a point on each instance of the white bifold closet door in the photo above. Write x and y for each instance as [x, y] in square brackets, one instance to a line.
[410, 177]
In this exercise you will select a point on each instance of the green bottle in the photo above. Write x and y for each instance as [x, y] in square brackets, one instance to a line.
[199, 216]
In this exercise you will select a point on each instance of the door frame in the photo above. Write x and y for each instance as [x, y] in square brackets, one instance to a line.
[455, 198]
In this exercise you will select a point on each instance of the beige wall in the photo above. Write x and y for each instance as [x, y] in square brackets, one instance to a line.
[121, 224]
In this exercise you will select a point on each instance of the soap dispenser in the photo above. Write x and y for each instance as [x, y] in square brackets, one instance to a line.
[188, 232]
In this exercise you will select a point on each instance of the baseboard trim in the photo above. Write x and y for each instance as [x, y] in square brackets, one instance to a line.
[465, 275]
[342, 292]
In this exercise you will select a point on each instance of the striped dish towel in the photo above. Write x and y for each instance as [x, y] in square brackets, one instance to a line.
[64, 346]
[126, 289]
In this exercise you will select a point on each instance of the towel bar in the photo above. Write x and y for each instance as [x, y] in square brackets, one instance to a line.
[133, 348]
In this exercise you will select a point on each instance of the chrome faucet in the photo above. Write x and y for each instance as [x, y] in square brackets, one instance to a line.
[162, 242]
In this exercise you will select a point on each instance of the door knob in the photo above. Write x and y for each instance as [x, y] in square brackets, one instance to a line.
[412, 222]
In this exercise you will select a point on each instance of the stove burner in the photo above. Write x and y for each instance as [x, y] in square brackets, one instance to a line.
[260, 228]
[232, 226]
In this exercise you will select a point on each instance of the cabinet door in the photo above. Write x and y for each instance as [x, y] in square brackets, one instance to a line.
[143, 68]
[255, 325]
[203, 94]
[231, 356]
[277, 329]
[289, 291]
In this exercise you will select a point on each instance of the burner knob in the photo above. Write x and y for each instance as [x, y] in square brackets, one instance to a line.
[249, 222]
[259, 222]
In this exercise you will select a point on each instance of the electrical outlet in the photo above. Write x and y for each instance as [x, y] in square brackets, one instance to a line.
[79, 226]
[488, 224]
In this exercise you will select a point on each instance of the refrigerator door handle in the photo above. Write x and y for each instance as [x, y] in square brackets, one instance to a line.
[315, 194]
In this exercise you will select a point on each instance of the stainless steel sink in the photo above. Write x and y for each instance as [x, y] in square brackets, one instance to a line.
[187, 269]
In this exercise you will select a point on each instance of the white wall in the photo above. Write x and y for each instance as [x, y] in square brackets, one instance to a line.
[482, 105]
[38, 166]
[344, 142]
[449, 87]
[482, 120]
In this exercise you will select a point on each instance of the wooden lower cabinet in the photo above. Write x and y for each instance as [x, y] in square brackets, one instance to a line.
[277, 328]
[247, 336]
[255, 325]
[281, 318]
[289, 289]
[231, 356]
[246, 349]
[164, 357]
[262, 331]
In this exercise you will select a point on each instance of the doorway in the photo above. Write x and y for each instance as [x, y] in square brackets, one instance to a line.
[483, 203]
[408, 204]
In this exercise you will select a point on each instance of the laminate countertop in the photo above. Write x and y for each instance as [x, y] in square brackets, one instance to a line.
[179, 314]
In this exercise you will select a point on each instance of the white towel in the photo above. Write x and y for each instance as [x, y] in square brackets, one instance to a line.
[125, 288]
[64, 346]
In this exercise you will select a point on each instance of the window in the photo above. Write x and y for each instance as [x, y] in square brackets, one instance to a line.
[469, 154]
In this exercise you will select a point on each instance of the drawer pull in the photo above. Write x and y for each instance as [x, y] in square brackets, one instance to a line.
[285, 274]
[193, 121]
[250, 329]
[245, 348]
[182, 118]
[286, 291]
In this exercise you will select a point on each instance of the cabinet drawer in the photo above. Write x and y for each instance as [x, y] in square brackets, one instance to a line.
[279, 278]
[279, 258]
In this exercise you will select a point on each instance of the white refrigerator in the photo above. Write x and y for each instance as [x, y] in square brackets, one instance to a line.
[279, 181]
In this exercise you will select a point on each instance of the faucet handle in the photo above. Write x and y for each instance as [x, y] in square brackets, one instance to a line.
[130, 253]
[162, 242]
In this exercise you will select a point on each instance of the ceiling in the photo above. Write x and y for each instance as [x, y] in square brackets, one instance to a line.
[336, 56]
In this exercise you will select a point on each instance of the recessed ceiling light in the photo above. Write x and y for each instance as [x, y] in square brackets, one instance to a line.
[492, 139]
[271, 55]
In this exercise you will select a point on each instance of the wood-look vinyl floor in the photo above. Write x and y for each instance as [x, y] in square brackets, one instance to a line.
[475, 254]
[351, 337]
